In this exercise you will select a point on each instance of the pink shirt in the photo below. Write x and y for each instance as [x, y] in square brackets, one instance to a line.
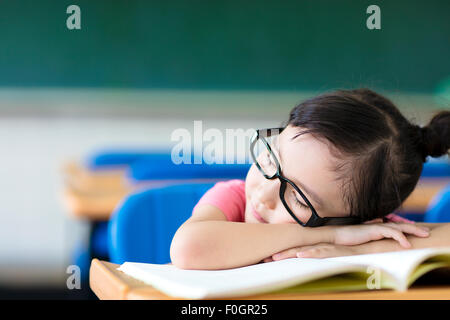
[229, 197]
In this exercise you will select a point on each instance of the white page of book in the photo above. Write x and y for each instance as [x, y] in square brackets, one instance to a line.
[259, 278]
[398, 264]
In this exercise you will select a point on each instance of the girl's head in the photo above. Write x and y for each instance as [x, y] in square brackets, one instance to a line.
[352, 153]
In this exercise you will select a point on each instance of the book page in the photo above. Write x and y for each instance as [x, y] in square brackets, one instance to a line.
[398, 265]
[255, 279]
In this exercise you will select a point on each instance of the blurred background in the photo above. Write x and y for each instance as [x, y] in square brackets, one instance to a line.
[138, 70]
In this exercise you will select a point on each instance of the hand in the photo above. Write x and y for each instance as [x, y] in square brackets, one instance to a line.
[358, 234]
[346, 239]
[321, 250]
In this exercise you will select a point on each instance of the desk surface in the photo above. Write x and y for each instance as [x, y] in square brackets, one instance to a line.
[109, 283]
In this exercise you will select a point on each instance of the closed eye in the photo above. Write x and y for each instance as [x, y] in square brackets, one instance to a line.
[297, 202]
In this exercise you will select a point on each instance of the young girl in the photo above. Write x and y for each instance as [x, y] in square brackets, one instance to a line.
[325, 184]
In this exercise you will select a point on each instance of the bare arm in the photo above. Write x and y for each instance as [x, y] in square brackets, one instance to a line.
[208, 241]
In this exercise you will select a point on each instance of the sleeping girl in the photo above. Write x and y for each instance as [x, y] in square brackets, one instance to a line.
[326, 183]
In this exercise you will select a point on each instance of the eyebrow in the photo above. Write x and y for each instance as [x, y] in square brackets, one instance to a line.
[304, 188]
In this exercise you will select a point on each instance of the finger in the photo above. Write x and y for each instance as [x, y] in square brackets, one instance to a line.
[308, 253]
[411, 229]
[316, 253]
[303, 248]
[396, 235]
[286, 254]
[292, 253]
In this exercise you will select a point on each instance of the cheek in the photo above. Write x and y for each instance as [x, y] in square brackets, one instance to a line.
[252, 180]
[281, 217]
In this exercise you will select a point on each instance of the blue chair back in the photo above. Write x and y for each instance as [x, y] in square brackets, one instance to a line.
[105, 159]
[436, 169]
[142, 227]
[439, 209]
[146, 169]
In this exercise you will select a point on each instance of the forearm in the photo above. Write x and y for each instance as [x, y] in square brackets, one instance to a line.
[430, 226]
[439, 237]
[224, 244]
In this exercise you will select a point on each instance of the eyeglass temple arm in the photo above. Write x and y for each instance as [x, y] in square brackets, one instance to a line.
[269, 132]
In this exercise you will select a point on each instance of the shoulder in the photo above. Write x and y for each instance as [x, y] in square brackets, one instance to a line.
[234, 185]
[226, 190]
[228, 196]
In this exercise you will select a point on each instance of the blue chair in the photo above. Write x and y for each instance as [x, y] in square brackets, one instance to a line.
[433, 170]
[436, 168]
[142, 228]
[158, 165]
[439, 208]
[147, 169]
[105, 159]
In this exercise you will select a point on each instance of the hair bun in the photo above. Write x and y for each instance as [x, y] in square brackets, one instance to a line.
[435, 137]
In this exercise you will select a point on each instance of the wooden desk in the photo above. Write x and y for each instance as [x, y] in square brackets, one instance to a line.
[103, 180]
[109, 283]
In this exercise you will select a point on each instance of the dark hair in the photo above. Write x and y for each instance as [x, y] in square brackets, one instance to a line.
[380, 152]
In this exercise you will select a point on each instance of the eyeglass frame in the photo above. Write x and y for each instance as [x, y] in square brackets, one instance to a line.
[315, 220]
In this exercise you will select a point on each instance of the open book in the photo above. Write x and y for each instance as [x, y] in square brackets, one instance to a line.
[390, 270]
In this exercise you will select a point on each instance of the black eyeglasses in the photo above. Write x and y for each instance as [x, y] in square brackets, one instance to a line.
[290, 195]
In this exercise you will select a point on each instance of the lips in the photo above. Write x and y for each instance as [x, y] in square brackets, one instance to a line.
[257, 216]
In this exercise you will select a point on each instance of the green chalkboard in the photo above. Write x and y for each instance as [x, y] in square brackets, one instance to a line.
[250, 45]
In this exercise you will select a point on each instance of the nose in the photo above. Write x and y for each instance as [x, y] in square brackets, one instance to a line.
[267, 193]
